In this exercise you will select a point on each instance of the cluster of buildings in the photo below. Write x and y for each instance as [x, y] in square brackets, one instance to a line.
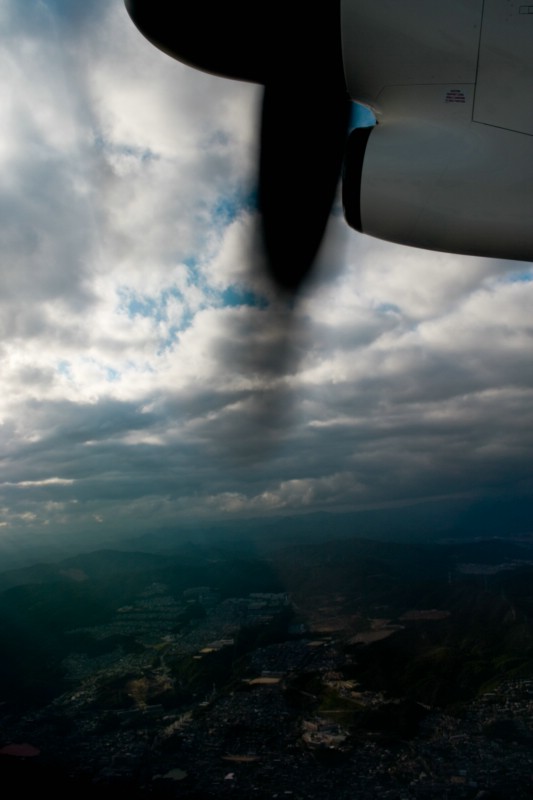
[252, 737]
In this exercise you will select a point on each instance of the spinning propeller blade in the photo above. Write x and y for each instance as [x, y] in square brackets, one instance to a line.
[295, 51]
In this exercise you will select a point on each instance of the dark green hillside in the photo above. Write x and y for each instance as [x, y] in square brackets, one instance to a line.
[366, 572]
[487, 638]
[487, 635]
[87, 590]
[120, 573]
[102, 565]
[33, 621]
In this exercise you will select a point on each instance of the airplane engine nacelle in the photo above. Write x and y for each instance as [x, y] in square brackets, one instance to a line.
[449, 166]
[442, 184]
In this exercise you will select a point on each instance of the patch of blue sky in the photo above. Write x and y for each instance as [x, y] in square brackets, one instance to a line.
[230, 206]
[156, 309]
[142, 306]
[172, 336]
[64, 368]
[139, 153]
[235, 296]
[195, 276]
[388, 308]
[66, 9]
[523, 275]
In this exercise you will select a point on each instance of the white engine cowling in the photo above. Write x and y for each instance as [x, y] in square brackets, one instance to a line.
[449, 166]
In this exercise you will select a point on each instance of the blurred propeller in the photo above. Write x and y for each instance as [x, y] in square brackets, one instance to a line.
[294, 49]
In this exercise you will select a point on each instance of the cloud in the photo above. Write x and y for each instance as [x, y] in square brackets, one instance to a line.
[149, 372]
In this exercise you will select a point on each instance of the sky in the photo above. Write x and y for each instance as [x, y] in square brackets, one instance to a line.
[149, 374]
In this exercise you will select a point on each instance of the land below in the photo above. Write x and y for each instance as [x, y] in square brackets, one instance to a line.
[286, 669]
